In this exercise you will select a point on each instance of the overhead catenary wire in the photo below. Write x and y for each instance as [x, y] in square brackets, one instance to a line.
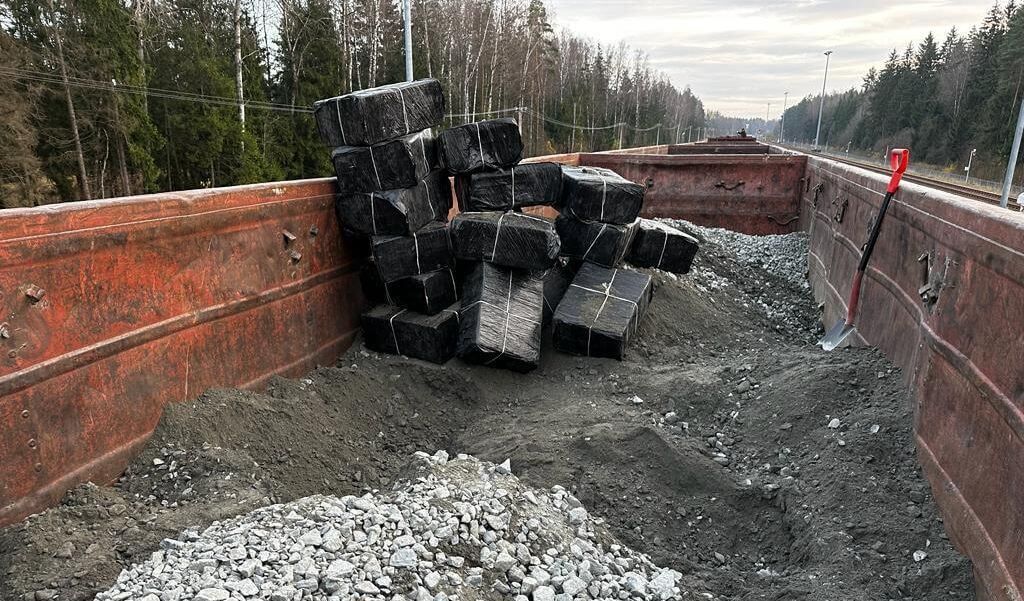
[228, 101]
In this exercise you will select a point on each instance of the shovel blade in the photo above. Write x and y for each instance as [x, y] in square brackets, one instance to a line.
[836, 335]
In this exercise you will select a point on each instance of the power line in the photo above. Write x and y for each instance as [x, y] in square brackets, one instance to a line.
[227, 101]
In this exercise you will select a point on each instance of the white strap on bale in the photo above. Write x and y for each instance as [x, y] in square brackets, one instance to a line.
[497, 232]
[512, 197]
[373, 162]
[480, 144]
[373, 214]
[664, 244]
[337, 111]
[416, 245]
[455, 288]
[394, 336]
[405, 114]
[508, 317]
[604, 194]
[600, 232]
[423, 150]
[433, 211]
[458, 318]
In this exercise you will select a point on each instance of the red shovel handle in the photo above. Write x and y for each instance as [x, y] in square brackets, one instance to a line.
[899, 159]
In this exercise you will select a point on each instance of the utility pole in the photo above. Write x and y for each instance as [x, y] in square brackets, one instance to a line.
[782, 127]
[821, 107]
[970, 160]
[407, 17]
[1008, 180]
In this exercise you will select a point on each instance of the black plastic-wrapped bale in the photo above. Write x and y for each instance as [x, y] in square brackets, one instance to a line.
[398, 212]
[384, 113]
[400, 257]
[662, 246]
[398, 331]
[528, 185]
[556, 282]
[601, 311]
[508, 239]
[374, 288]
[502, 313]
[427, 293]
[595, 194]
[400, 163]
[603, 243]
[482, 145]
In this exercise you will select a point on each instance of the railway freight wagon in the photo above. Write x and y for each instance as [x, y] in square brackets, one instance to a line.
[113, 309]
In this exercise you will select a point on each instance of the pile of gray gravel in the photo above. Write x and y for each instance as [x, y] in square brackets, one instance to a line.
[459, 529]
[769, 272]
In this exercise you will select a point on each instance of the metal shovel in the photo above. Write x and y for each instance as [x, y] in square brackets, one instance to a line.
[899, 160]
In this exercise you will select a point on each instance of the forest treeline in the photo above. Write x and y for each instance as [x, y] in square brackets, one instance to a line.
[105, 98]
[940, 99]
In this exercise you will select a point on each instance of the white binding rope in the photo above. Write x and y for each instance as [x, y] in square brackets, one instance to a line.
[373, 215]
[604, 194]
[423, 151]
[663, 245]
[405, 114]
[455, 288]
[394, 336]
[508, 318]
[416, 242]
[480, 144]
[337, 111]
[512, 198]
[433, 212]
[373, 161]
[497, 232]
[600, 233]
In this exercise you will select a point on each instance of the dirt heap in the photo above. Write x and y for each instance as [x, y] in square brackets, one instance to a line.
[726, 446]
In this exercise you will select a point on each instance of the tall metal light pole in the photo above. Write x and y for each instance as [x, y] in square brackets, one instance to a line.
[782, 127]
[767, 115]
[1008, 180]
[407, 17]
[821, 107]
[970, 160]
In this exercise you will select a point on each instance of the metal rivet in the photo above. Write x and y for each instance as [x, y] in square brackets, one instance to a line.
[39, 467]
[314, 231]
[24, 414]
[32, 443]
[12, 354]
[295, 256]
[35, 293]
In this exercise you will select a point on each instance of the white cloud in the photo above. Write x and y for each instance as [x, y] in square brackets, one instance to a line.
[738, 55]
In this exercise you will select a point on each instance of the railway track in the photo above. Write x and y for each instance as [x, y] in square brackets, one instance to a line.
[960, 190]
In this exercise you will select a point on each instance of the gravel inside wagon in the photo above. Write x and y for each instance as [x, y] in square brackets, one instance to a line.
[726, 457]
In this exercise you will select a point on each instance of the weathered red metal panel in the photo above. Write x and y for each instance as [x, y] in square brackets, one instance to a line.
[750, 194]
[148, 300]
[959, 353]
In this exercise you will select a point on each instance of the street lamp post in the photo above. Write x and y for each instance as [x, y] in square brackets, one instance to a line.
[782, 127]
[970, 160]
[821, 107]
[767, 116]
[407, 17]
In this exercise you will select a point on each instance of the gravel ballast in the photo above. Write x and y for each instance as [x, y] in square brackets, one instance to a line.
[460, 529]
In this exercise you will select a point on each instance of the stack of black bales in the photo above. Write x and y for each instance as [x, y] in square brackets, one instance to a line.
[508, 253]
[602, 307]
[393, 191]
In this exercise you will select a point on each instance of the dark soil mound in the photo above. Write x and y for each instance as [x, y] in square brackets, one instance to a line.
[726, 446]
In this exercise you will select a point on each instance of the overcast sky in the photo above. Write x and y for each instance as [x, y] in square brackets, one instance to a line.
[738, 55]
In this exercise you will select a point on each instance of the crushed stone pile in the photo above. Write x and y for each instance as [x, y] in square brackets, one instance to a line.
[769, 273]
[450, 529]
